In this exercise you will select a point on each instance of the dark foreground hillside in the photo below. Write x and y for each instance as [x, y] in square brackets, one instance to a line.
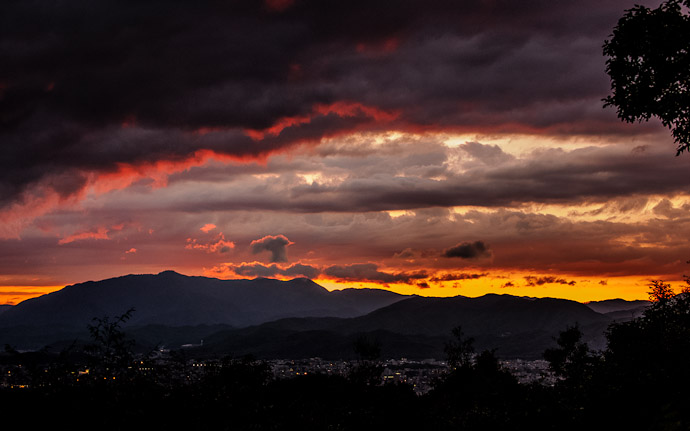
[639, 382]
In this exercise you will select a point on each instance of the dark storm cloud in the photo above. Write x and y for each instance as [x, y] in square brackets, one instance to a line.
[468, 250]
[277, 245]
[457, 277]
[370, 272]
[74, 73]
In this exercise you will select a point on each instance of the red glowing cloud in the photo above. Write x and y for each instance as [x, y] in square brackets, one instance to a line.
[42, 198]
[208, 227]
[342, 109]
[100, 233]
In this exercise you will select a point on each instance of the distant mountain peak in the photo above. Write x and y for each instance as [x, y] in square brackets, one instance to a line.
[173, 299]
[170, 272]
[617, 305]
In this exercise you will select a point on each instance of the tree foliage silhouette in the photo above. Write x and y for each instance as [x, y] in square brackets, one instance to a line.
[477, 393]
[643, 369]
[649, 66]
[111, 352]
[572, 358]
[367, 369]
[459, 350]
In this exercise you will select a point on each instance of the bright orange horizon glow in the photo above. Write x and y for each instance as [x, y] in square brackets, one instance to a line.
[13, 295]
[585, 289]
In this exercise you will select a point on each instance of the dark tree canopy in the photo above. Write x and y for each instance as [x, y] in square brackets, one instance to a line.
[649, 66]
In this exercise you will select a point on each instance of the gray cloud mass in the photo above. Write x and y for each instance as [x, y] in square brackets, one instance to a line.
[276, 245]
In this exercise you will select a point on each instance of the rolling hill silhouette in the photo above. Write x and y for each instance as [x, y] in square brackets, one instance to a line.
[418, 327]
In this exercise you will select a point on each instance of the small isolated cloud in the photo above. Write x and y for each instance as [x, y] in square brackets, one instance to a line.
[423, 285]
[277, 245]
[603, 282]
[468, 250]
[208, 227]
[457, 276]
[370, 272]
[218, 245]
[508, 284]
[539, 281]
[131, 251]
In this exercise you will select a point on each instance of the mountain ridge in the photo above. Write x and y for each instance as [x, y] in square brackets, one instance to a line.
[259, 313]
[174, 299]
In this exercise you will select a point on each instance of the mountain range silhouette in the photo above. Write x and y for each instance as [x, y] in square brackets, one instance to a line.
[299, 318]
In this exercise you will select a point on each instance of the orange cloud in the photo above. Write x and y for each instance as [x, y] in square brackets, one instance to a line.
[220, 245]
[100, 233]
[207, 227]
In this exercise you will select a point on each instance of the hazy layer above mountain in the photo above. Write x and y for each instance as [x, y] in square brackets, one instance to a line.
[173, 299]
[517, 327]
[613, 305]
[433, 316]
[498, 314]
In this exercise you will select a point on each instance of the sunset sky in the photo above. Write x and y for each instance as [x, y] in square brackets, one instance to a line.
[433, 148]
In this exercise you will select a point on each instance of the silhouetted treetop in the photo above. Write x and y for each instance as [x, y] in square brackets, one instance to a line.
[111, 350]
[649, 66]
[460, 350]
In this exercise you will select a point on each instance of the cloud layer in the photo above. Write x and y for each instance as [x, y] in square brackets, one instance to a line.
[94, 87]
[433, 145]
